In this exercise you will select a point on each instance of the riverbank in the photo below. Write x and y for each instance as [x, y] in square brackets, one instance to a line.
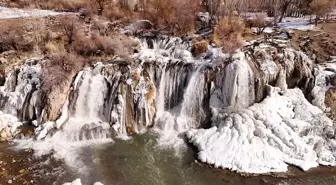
[21, 167]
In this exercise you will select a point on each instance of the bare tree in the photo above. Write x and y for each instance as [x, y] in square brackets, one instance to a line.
[321, 8]
[101, 5]
[260, 23]
[213, 6]
[70, 26]
[284, 5]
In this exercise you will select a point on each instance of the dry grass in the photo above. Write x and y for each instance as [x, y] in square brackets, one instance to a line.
[22, 35]
[54, 47]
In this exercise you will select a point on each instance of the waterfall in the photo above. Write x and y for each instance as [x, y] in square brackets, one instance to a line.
[167, 91]
[193, 98]
[170, 125]
[82, 122]
[161, 95]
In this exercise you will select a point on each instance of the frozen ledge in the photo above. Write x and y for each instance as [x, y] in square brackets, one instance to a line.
[283, 129]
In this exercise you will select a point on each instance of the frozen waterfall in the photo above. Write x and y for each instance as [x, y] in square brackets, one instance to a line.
[247, 112]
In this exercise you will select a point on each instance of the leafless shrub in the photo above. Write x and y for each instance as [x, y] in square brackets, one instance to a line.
[214, 7]
[57, 68]
[228, 33]
[123, 45]
[99, 27]
[176, 16]
[97, 45]
[83, 45]
[69, 26]
[101, 4]
[260, 23]
[321, 8]
[15, 36]
[116, 12]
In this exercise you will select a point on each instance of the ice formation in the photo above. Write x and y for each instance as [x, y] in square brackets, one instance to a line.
[283, 129]
[79, 182]
[322, 72]
[261, 120]
[20, 95]
[20, 98]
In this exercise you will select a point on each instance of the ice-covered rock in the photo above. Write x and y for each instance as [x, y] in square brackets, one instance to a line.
[265, 137]
[20, 96]
[8, 126]
[323, 75]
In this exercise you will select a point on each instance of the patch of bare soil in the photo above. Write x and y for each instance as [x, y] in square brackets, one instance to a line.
[319, 45]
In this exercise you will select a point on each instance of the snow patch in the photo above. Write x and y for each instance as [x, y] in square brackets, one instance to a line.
[296, 23]
[10, 13]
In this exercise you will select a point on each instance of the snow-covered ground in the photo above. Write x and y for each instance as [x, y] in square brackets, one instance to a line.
[10, 13]
[294, 23]
[300, 23]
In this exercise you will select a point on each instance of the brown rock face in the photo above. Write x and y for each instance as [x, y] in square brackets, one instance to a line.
[330, 99]
[54, 102]
[333, 81]
[58, 75]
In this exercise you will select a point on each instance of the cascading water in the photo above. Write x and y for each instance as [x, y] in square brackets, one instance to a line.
[161, 95]
[168, 90]
[171, 125]
[83, 126]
